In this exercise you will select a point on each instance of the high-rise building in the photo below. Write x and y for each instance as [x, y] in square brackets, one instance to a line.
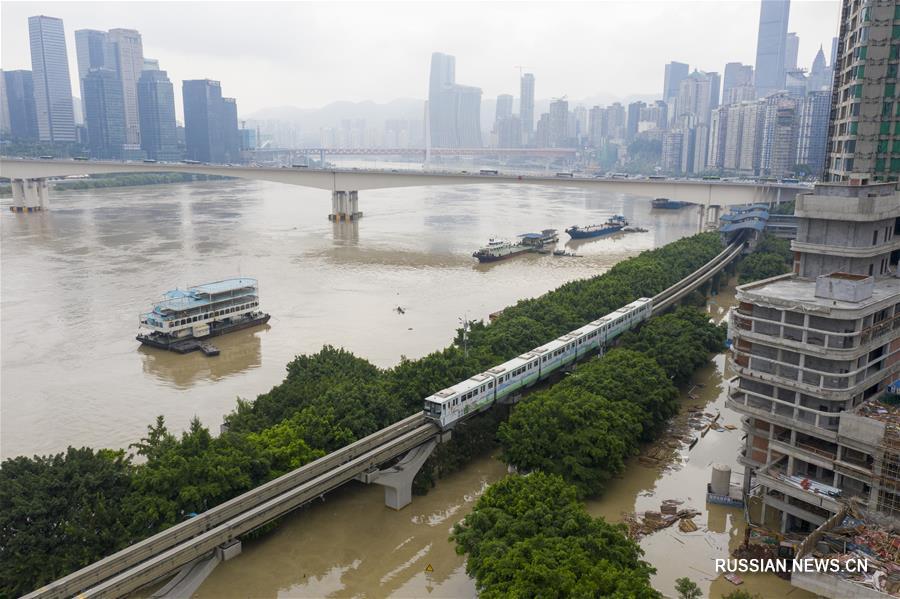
[718, 128]
[129, 51]
[18, 104]
[104, 109]
[231, 135]
[526, 106]
[156, 104]
[752, 122]
[509, 132]
[50, 75]
[791, 51]
[616, 119]
[778, 151]
[715, 84]
[731, 155]
[675, 72]
[736, 75]
[672, 147]
[819, 73]
[559, 122]
[695, 95]
[4, 107]
[94, 51]
[454, 111]
[633, 118]
[863, 128]
[815, 350]
[771, 45]
[542, 131]
[203, 131]
[504, 107]
[812, 131]
[596, 126]
[150, 64]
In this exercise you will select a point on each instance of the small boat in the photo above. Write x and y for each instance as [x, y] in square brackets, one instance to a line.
[612, 225]
[564, 253]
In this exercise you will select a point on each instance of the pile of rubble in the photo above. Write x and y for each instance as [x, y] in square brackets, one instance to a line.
[860, 537]
[650, 521]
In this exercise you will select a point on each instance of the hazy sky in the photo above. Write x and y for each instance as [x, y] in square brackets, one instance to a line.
[308, 54]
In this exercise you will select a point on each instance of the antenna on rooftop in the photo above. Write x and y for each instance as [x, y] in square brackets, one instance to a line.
[520, 67]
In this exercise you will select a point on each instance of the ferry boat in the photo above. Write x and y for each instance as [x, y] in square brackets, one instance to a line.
[501, 249]
[612, 225]
[184, 317]
[667, 204]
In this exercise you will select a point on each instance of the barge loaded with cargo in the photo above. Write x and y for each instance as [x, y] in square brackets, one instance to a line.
[186, 317]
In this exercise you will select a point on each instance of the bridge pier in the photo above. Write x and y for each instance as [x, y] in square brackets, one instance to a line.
[344, 206]
[397, 480]
[30, 195]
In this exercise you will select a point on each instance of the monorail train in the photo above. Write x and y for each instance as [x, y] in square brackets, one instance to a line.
[450, 405]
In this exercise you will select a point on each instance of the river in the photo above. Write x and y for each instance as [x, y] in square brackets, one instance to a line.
[75, 279]
[350, 545]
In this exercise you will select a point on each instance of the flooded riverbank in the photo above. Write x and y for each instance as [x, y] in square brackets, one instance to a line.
[351, 545]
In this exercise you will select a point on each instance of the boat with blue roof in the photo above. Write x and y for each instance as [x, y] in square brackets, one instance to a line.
[187, 316]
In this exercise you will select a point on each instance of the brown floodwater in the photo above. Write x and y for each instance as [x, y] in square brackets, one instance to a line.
[350, 545]
[75, 279]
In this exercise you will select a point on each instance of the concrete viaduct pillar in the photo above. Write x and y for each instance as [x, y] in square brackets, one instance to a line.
[30, 195]
[397, 480]
[344, 206]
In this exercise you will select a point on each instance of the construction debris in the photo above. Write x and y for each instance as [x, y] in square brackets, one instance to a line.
[860, 536]
[687, 525]
[649, 522]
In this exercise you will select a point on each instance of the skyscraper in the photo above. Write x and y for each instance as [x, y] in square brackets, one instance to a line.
[93, 51]
[104, 113]
[231, 135]
[18, 95]
[203, 131]
[736, 75]
[778, 149]
[718, 128]
[819, 75]
[526, 107]
[504, 107]
[454, 111]
[633, 118]
[156, 107]
[771, 45]
[862, 131]
[715, 83]
[129, 52]
[675, 72]
[812, 130]
[791, 51]
[559, 120]
[695, 95]
[50, 74]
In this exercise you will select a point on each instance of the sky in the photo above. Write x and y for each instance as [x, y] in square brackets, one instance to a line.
[308, 54]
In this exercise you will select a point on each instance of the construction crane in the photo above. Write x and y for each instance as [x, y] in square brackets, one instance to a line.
[520, 67]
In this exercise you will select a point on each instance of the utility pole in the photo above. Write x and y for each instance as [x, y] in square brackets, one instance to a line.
[464, 320]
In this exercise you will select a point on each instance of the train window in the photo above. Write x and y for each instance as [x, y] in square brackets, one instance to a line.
[491, 385]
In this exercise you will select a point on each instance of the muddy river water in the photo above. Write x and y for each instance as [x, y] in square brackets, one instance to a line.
[75, 279]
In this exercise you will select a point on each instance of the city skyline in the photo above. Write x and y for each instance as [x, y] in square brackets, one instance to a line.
[221, 50]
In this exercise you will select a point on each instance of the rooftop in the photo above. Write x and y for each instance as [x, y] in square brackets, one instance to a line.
[789, 292]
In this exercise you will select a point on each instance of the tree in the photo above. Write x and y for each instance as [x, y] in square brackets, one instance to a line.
[59, 513]
[579, 435]
[687, 589]
[529, 536]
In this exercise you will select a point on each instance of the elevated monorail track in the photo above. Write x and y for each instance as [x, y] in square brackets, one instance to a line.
[170, 550]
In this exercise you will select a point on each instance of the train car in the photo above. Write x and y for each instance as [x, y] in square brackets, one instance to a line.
[450, 405]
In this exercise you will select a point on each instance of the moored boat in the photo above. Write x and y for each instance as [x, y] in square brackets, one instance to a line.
[667, 204]
[184, 317]
[612, 225]
[500, 249]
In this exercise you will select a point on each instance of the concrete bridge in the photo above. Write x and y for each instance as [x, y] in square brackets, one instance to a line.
[30, 188]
